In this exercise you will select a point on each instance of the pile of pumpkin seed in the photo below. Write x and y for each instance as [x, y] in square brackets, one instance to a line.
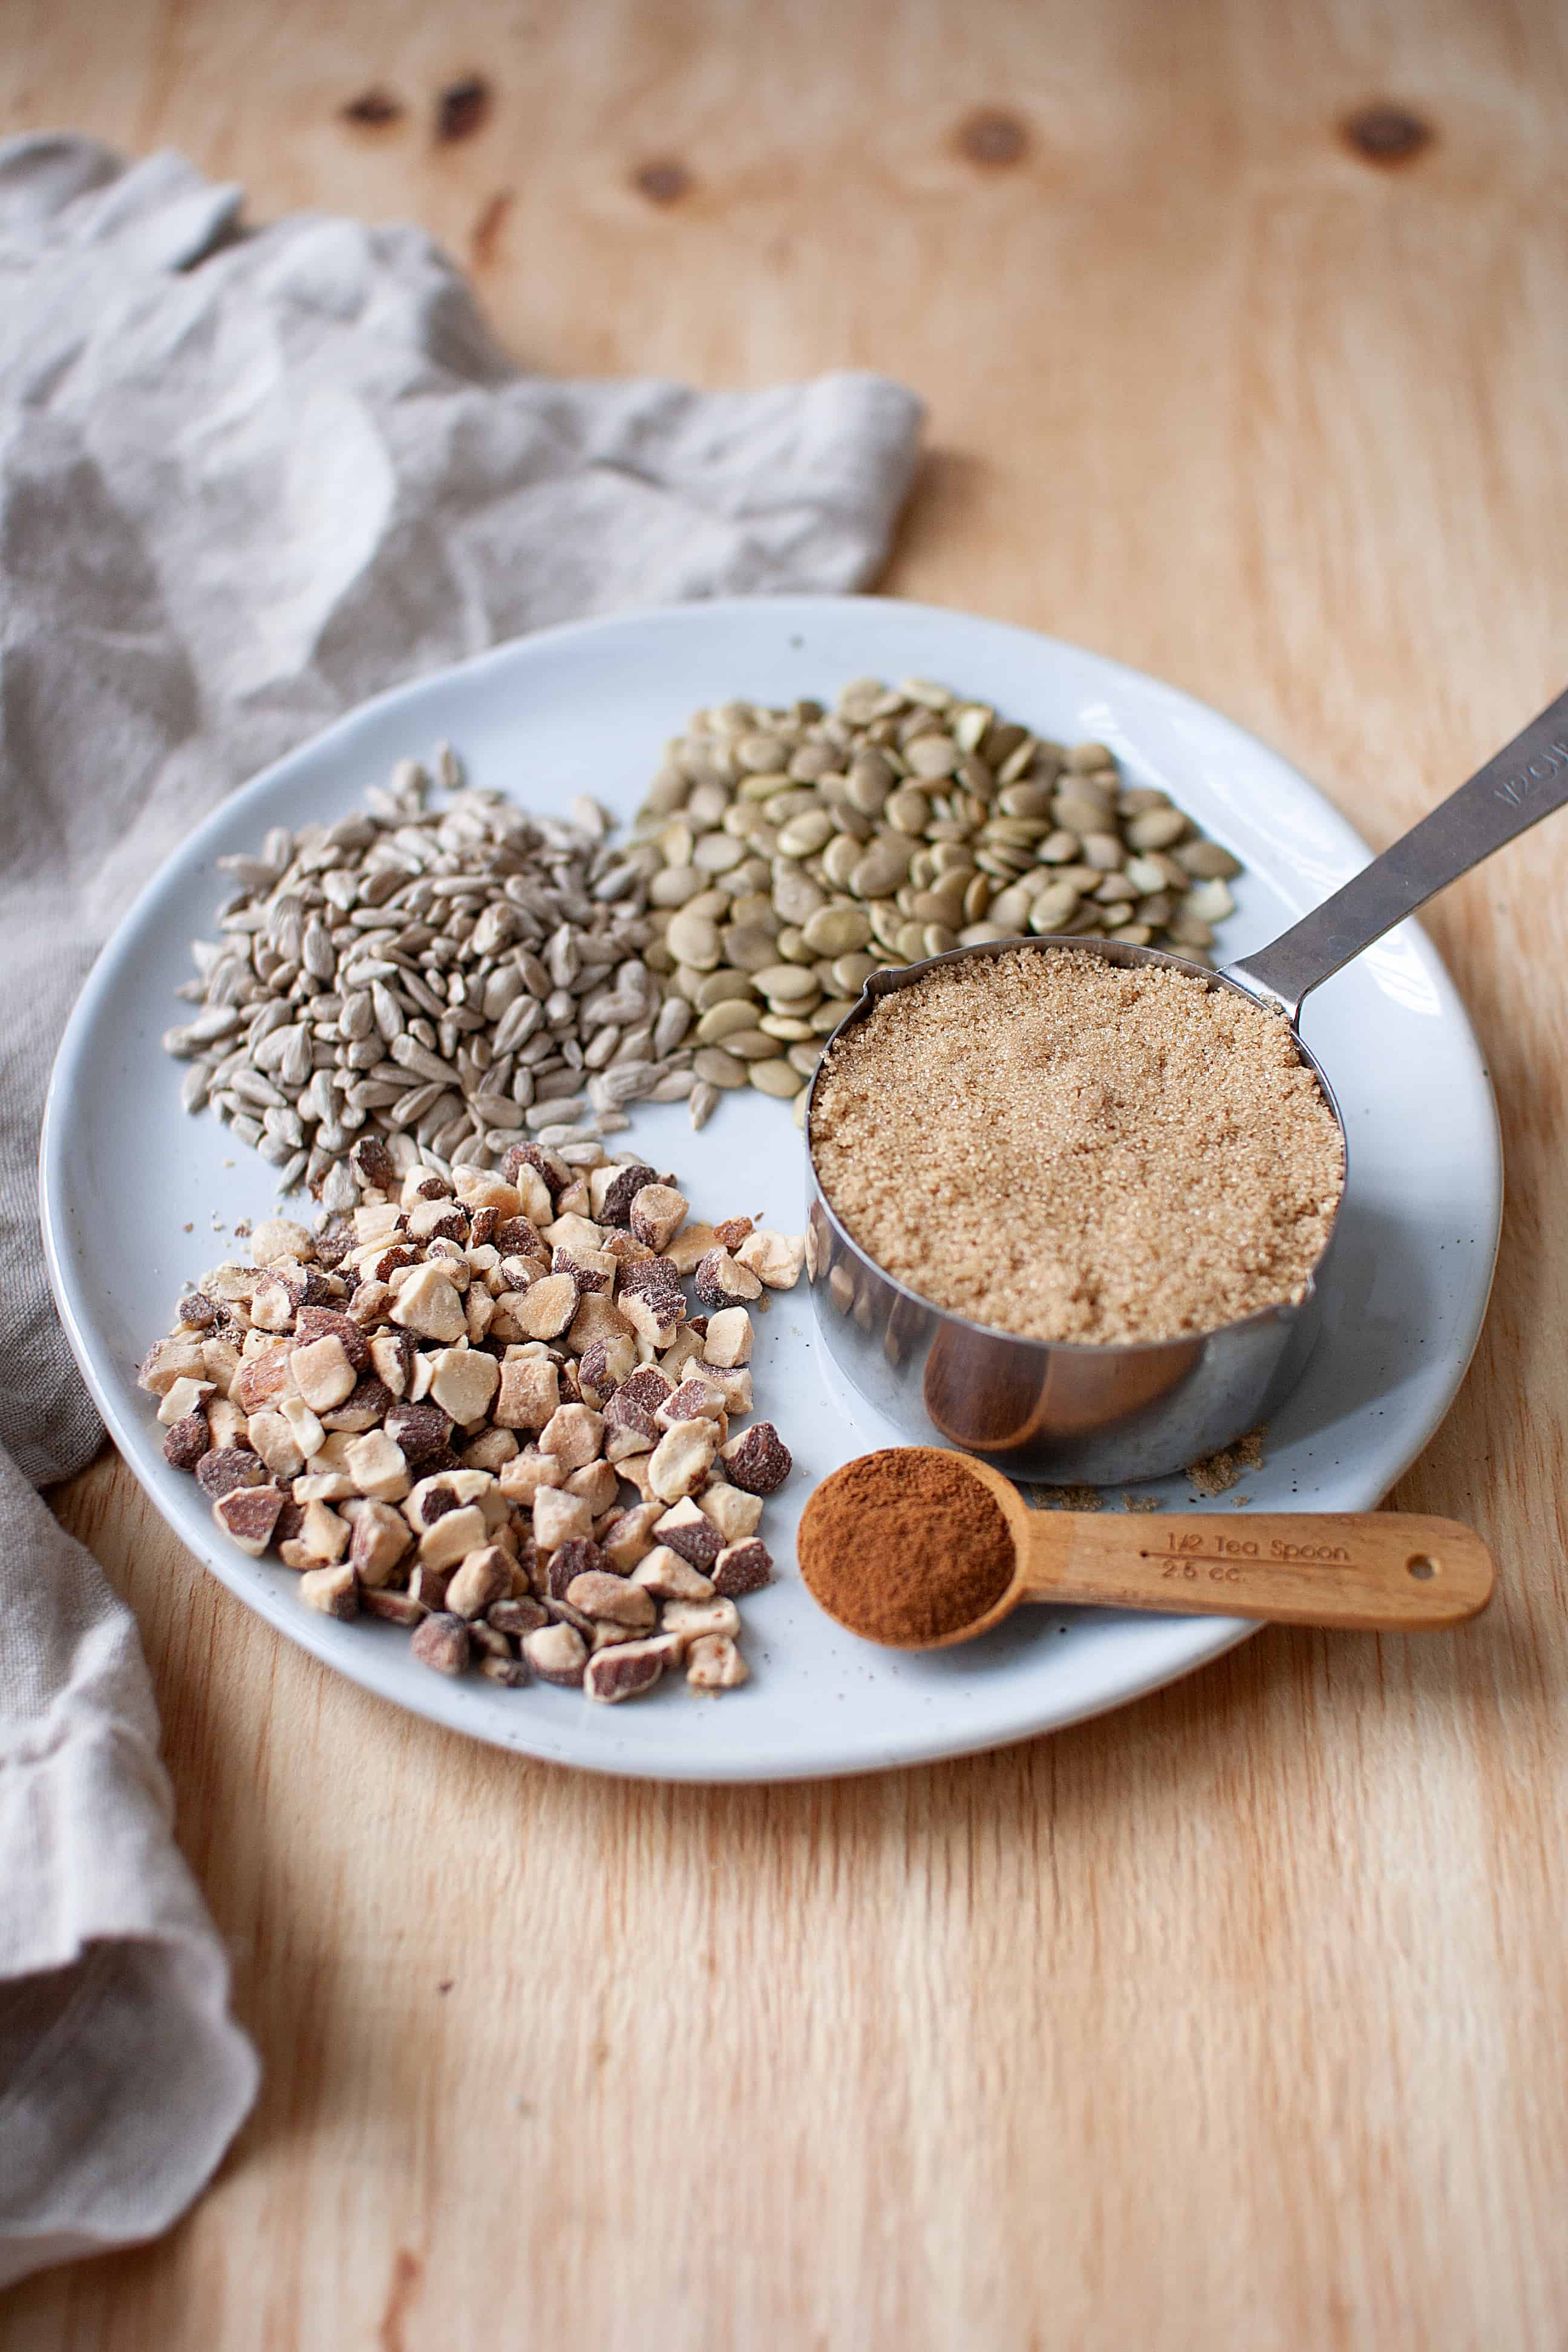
[789, 852]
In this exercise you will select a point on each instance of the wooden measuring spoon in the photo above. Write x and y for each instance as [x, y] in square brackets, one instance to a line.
[1372, 1571]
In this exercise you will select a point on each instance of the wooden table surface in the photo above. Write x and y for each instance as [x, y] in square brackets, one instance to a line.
[1235, 2020]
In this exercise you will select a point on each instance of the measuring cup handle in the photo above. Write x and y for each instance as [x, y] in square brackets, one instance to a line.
[1520, 784]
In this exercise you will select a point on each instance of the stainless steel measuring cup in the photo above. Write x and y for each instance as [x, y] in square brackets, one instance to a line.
[1112, 1415]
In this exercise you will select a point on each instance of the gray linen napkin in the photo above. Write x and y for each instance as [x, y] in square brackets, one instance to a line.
[247, 477]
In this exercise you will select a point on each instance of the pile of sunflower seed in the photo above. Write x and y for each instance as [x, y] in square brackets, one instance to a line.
[800, 849]
[449, 978]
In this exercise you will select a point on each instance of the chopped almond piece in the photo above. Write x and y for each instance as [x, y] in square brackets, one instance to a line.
[529, 1392]
[559, 1517]
[181, 1397]
[667, 1577]
[657, 1213]
[728, 1342]
[462, 1382]
[376, 1464]
[332, 1591]
[734, 1512]
[775, 1258]
[428, 1303]
[322, 1373]
[544, 1311]
[682, 1458]
[575, 1434]
[714, 1662]
[453, 1537]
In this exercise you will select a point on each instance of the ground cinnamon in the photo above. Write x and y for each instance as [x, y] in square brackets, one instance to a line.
[904, 1547]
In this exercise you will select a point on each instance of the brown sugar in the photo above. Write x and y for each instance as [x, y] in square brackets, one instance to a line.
[905, 1547]
[1218, 1473]
[1059, 1147]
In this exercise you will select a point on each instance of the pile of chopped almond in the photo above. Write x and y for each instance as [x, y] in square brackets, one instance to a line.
[430, 1407]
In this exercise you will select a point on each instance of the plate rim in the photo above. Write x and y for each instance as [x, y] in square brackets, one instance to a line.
[1208, 1638]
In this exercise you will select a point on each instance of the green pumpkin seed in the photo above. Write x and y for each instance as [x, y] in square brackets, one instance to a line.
[722, 988]
[850, 973]
[788, 982]
[826, 1016]
[870, 780]
[880, 870]
[673, 886]
[932, 757]
[776, 1077]
[721, 1021]
[716, 852]
[803, 835]
[840, 859]
[837, 931]
[748, 947]
[695, 939]
[1054, 907]
[1160, 829]
[802, 853]
[908, 811]
[1209, 862]
[751, 1044]
[718, 1068]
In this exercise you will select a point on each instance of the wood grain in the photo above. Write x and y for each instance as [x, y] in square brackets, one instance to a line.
[1236, 2020]
[1364, 1571]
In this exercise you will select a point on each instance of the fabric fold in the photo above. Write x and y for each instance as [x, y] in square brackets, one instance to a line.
[249, 476]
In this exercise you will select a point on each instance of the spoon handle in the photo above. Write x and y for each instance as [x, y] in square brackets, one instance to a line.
[1516, 787]
[1377, 1571]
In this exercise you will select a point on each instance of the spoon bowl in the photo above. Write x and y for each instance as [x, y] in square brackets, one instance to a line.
[1368, 1571]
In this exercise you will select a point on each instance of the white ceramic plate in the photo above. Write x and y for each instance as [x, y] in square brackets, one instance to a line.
[587, 708]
